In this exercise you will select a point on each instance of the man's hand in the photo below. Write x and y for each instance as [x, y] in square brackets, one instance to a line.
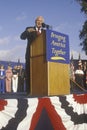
[30, 29]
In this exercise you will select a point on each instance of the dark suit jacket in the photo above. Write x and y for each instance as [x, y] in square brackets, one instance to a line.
[30, 34]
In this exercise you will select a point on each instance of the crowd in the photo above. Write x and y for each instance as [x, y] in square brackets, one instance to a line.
[79, 74]
[12, 79]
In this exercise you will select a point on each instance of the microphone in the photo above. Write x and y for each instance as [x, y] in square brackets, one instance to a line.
[45, 25]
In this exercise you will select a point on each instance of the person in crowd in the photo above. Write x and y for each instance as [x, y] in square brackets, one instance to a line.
[15, 79]
[85, 74]
[72, 71]
[85, 79]
[72, 75]
[79, 74]
[9, 75]
[21, 78]
[30, 34]
[84, 66]
[2, 79]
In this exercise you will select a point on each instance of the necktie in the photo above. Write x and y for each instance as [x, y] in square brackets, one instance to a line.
[38, 31]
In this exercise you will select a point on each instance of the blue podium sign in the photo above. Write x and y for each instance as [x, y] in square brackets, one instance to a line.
[57, 47]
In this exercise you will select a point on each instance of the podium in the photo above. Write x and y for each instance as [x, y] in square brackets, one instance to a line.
[46, 78]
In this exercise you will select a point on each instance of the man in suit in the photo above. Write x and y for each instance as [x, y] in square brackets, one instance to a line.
[30, 34]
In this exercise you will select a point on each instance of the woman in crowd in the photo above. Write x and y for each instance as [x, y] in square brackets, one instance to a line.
[8, 79]
[2, 79]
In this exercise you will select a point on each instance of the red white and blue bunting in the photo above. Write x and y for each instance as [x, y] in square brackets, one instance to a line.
[67, 112]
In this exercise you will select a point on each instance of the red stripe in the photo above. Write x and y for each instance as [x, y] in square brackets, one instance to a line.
[2, 104]
[82, 99]
[54, 117]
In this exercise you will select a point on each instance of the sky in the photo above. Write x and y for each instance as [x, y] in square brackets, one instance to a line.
[64, 16]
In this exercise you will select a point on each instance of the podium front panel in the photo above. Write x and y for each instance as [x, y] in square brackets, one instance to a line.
[46, 78]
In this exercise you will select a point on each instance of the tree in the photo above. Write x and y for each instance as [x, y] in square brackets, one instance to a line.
[83, 32]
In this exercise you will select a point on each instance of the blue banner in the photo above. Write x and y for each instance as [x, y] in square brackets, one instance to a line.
[57, 47]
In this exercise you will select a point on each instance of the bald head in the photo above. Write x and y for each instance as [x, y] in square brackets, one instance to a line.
[39, 20]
